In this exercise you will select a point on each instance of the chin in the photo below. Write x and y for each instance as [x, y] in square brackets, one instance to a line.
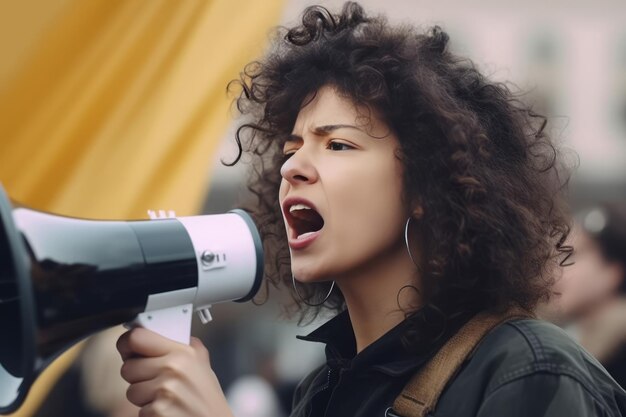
[308, 274]
[305, 275]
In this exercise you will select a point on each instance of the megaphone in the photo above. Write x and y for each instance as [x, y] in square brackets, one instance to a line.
[63, 278]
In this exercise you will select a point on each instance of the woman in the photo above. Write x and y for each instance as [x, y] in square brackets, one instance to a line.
[399, 187]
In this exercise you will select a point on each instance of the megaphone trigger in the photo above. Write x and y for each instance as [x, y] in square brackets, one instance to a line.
[205, 315]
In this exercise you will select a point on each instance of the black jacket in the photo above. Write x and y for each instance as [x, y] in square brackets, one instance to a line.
[521, 368]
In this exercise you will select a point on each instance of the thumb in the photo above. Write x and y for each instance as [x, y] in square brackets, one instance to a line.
[148, 343]
[197, 345]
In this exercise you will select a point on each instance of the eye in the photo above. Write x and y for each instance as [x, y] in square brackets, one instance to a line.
[288, 155]
[338, 146]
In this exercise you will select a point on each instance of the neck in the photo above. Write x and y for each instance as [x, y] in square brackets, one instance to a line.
[378, 295]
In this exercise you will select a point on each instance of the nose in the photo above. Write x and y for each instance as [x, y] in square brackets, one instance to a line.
[299, 169]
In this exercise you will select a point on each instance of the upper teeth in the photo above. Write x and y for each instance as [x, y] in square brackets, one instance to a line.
[299, 207]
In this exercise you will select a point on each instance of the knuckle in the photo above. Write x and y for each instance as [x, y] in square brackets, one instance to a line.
[181, 361]
[187, 351]
[159, 408]
[174, 367]
[165, 391]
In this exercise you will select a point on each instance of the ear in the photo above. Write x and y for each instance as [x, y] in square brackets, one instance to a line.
[418, 212]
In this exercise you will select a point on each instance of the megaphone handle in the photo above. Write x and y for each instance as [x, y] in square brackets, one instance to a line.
[172, 322]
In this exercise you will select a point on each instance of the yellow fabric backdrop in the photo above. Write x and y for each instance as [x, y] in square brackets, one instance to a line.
[109, 107]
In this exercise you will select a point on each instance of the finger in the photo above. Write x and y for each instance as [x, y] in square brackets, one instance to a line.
[147, 343]
[197, 345]
[154, 390]
[123, 347]
[141, 393]
[180, 364]
[138, 369]
[161, 408]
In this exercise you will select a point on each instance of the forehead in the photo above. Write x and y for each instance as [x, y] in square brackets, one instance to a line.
[329, 107]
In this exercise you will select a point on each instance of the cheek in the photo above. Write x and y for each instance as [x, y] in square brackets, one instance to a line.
[369, 209]
[282, 190]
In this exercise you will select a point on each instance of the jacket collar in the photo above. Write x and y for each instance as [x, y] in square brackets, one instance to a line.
[387, 354]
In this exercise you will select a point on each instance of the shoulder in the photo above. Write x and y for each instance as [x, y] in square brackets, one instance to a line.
[528, 346]
[534, 358]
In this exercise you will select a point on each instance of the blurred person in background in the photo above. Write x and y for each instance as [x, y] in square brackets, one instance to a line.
[253, 396]
[400, 188]
[590, 299]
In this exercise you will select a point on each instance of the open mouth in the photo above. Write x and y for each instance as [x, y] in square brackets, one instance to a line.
[303, 219]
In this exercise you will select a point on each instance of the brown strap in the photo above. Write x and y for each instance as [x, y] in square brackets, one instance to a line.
[420, 395]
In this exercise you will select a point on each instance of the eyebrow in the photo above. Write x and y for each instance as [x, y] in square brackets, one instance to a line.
[324, 130]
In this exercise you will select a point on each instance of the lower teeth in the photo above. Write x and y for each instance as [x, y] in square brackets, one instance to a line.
[303, 235]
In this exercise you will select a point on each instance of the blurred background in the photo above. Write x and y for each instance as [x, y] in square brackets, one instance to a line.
[109, 108]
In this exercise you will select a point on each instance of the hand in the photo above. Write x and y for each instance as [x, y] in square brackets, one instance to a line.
[168, 378]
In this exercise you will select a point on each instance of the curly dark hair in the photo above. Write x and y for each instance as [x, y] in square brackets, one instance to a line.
[477, 160]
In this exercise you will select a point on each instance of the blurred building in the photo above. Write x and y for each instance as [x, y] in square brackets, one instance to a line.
[569, 55]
